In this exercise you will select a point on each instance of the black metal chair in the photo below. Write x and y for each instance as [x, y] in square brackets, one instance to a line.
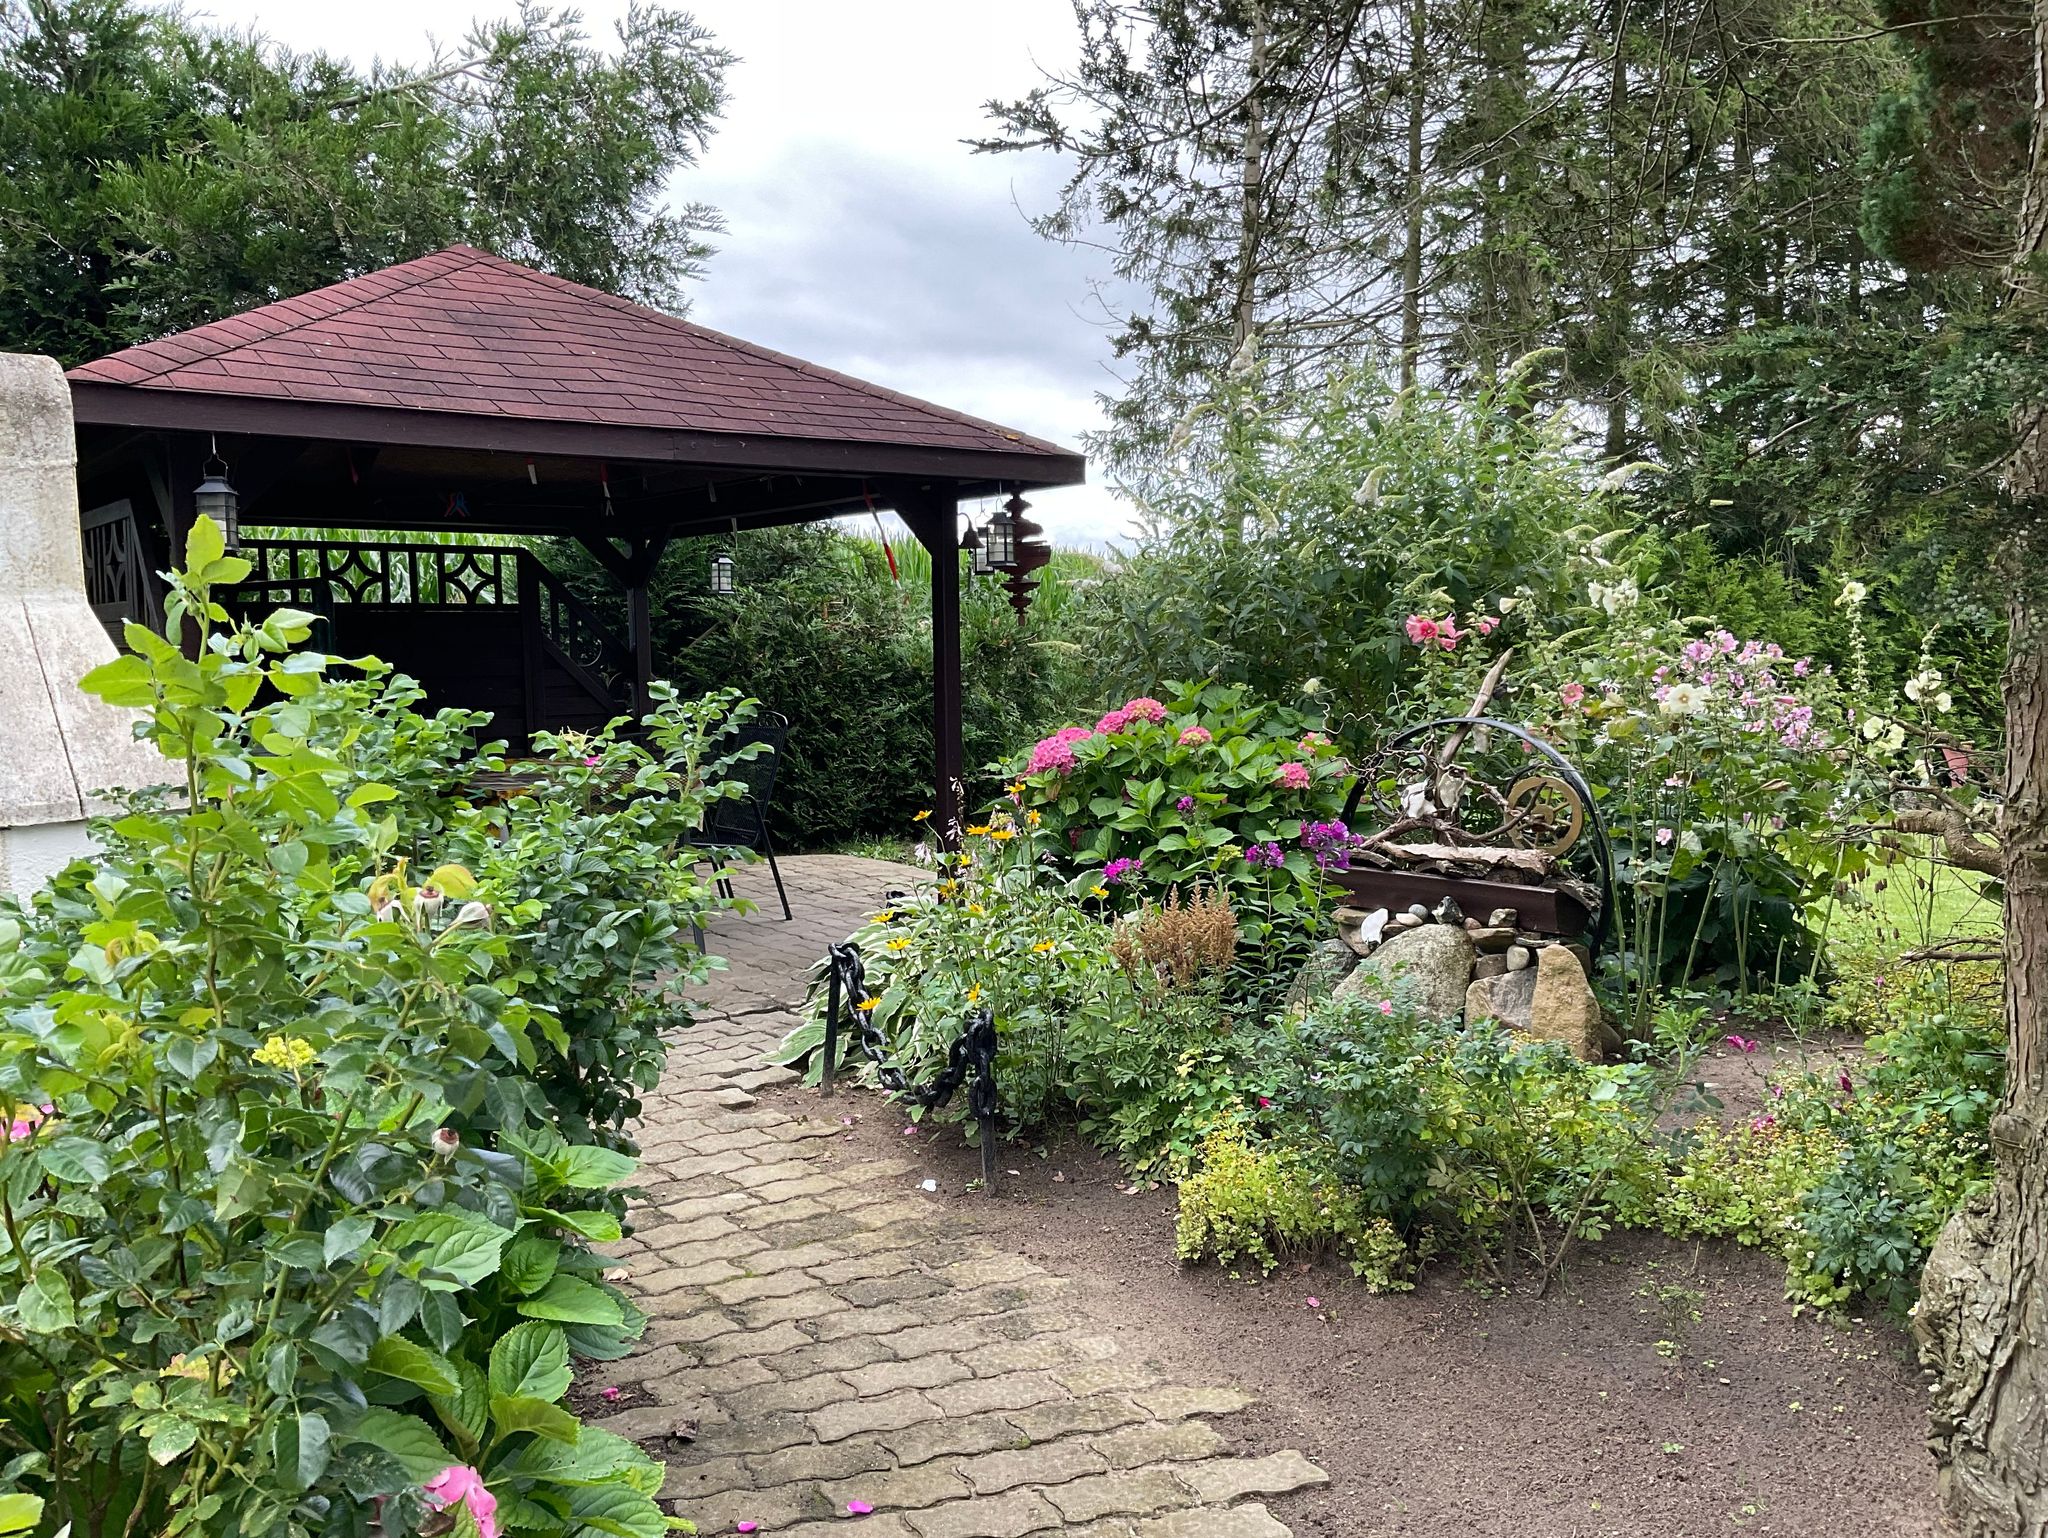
[741, 822]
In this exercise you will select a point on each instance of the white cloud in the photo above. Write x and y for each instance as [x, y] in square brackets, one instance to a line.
[862, 233]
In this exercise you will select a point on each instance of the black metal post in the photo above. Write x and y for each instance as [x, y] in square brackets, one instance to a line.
[831, 1022]
[932, 517]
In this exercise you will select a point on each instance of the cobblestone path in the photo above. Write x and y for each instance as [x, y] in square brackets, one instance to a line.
[836, 1337]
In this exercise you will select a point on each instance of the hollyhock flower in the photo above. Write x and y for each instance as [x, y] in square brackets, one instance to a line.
[1294, 776]
[1144, 708]
[1184, 805]
[1665, 836]
[1801, 668]
[1112, 722]
[459, 1484]
[1851, 596]
[1193, 735]
[1421, 629]
[1448, 635]
[1683, 699]
[1485, 624]
[1572, 695]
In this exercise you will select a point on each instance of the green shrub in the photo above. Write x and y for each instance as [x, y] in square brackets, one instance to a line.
[278, 1216]
[1269, 1204]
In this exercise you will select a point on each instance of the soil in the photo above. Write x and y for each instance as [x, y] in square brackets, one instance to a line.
[1454, 1411]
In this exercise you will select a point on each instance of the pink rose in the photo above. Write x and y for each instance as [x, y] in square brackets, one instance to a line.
[459, 1484]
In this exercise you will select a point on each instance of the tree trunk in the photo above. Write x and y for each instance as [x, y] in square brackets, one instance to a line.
[1983, 1313]
[1251, 208]
[1411, 249]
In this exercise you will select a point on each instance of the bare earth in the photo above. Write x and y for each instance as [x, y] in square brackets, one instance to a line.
[1036, 1362]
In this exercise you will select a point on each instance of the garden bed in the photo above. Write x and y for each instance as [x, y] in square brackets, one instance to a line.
[1453, 1411]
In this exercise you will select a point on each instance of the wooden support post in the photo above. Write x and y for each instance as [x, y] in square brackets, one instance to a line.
[636, 572]
[932, 518]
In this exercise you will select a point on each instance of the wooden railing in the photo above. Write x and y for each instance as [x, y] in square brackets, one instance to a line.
[327, 575]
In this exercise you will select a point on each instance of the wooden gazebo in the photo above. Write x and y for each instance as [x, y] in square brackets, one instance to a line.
[464, 392]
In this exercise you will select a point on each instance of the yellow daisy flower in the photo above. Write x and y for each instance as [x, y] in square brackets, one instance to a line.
[898, 945]
[974, 994]
[1043, 946]
[1002, 835]
[977, 830]
[921, 816]
[976, 909]
[867, 1006]
[1033, 817]
[1098, 891]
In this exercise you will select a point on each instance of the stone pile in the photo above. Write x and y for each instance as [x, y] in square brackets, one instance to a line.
[1446, 965]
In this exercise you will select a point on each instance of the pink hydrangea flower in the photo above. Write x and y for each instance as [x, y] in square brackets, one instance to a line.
[1421, 629]
[1053, 755]
[1295, 776]
[1072, 734]
[1114, 721]
[459, 1484]
[1192, 735]
[1572, 695]
[1144, 708]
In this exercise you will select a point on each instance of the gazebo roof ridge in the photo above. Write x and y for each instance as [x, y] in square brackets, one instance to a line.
[463, 333]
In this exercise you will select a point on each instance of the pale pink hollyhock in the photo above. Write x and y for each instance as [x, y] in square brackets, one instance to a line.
[1421, 629]
[1484, 624]
[459, 1484]
[1572, 694]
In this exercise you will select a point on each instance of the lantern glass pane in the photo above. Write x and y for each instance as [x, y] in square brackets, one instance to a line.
[722, 574]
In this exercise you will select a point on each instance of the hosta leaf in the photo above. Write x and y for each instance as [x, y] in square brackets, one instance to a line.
[19, 1513]
[531, 1360]
[571, 1300]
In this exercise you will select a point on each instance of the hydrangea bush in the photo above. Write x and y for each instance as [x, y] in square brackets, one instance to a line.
[1208, 788]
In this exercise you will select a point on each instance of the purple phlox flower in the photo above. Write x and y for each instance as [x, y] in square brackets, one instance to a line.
[1184, 805]
[1264, 856]
[1122, 869]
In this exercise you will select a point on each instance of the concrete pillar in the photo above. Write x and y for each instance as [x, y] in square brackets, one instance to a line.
[60, 749]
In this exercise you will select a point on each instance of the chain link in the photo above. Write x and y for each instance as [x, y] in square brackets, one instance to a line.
[973, 1051]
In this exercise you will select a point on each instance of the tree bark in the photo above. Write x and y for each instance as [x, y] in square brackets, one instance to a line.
[1251, 209]
[1983, 1313]
[1411, 249]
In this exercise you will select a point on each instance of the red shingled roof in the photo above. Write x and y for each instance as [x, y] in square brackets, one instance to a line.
[467, 332]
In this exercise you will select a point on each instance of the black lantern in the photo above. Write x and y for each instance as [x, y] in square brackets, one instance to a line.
[214, 498]
[999, 540]
[722, 571]
[977, 552]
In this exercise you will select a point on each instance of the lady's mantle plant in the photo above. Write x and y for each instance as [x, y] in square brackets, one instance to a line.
[260, 1261]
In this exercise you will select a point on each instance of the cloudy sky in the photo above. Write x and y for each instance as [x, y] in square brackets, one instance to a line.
[862, 234]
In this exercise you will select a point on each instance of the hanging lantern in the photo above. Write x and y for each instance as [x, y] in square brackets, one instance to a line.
[999, 539]
[722, 574]
[977, 552]
[214, 498]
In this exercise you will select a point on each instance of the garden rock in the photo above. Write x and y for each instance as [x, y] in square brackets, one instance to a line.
[1519, 957]
[1492, 939]
[1506, 996]
[1327, 966]
[1503, 917]
[1490, 966]
[1428, 967]
[1361, 930]
[1563, 1007]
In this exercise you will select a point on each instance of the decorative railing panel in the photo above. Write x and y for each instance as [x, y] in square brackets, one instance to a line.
[119, 582]
[329, 577]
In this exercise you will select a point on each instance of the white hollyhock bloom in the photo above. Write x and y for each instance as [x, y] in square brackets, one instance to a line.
[1852, 595]
[1684, 700]
[1944, 702]
[1923, 685]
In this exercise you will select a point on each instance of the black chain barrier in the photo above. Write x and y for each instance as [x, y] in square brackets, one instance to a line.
[973, 1052]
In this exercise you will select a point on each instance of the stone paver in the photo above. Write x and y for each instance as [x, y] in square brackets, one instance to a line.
[835, 1336]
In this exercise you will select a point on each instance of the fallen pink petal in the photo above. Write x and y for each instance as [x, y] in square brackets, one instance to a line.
[611, 1394]
[858, 1508]
[746, 1527]
[1315, 1302]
